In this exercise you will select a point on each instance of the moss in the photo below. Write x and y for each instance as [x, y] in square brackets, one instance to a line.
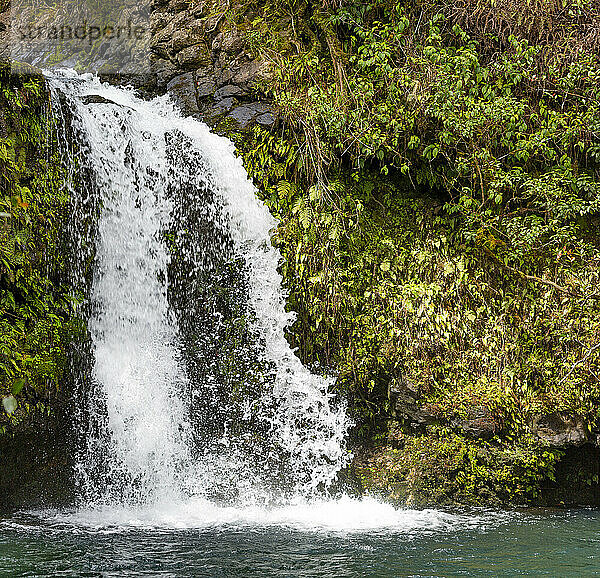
[227, 125]
[35, 308]
[442, 467]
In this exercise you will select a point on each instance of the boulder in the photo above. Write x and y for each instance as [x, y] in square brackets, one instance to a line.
[242, 115]
[205, 87]
[165, 71]
[194, 56]
[228, 90]
[560, 429]
[250, 72]
[187, 36]
[267, 119]
[183, 90]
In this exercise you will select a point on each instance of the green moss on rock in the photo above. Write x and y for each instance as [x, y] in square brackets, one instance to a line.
[35, 308]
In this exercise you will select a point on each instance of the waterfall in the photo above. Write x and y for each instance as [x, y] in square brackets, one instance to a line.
[193, 390]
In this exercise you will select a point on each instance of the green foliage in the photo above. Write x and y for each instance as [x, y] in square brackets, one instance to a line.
[439, 205]
[445, 468]
[34, 308]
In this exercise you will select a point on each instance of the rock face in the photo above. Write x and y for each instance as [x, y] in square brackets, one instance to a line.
[197, 50]
[480, 423]
[35, 451]
[406, 406]
[36, 466]
[203, 60]
[111, 40]
[560, 430]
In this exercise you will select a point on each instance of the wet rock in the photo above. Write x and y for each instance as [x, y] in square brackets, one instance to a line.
[213, 18]
[179, 5]
[195, 55]
[183, 90]
[165, 71]
[267, 119]
[249, 72]
[225, 104]
[190, 35]
[224, 78]
[230, 41]
[242, 115]
[159, 19]
[247, 113]
[97, 99]
[212, 117]
[259, 107]
[221, 76]
[205, 87]
[162, 39]
[402, 391]
[226, 91]
[560, 430]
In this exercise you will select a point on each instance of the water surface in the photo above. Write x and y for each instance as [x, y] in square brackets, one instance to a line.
[335, 539]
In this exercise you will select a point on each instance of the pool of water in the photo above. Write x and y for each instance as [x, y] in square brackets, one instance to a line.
[344, 538]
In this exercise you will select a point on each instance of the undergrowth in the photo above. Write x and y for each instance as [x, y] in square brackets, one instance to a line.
[436, 174]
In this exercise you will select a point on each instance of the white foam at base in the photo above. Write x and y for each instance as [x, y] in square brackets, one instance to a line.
[343, 515]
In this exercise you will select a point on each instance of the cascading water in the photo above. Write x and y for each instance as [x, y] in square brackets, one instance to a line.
[192, 410]
[194, 392]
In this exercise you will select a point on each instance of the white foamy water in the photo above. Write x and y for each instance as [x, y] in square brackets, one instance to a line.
[138, 436]
[344, 515]
[136, 375]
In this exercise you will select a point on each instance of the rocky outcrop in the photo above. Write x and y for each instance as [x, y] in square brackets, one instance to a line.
[479, 423]
[561, 430]
[423, 458]
[198, 51]
[111, 40]
[204, 61]
[409, 410]
[557, 430]
[406, 407]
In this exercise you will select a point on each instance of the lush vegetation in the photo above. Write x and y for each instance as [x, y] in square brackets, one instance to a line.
[436, 173]
[35, 310]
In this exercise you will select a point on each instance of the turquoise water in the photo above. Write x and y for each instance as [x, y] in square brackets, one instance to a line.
[532, 543]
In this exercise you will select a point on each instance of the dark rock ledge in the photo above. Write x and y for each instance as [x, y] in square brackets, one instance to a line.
[204, 62]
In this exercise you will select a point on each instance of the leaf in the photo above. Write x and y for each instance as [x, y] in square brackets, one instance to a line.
[10, 404]
[305, 217]
[285, 190]
[385, 266]
[18, 385]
